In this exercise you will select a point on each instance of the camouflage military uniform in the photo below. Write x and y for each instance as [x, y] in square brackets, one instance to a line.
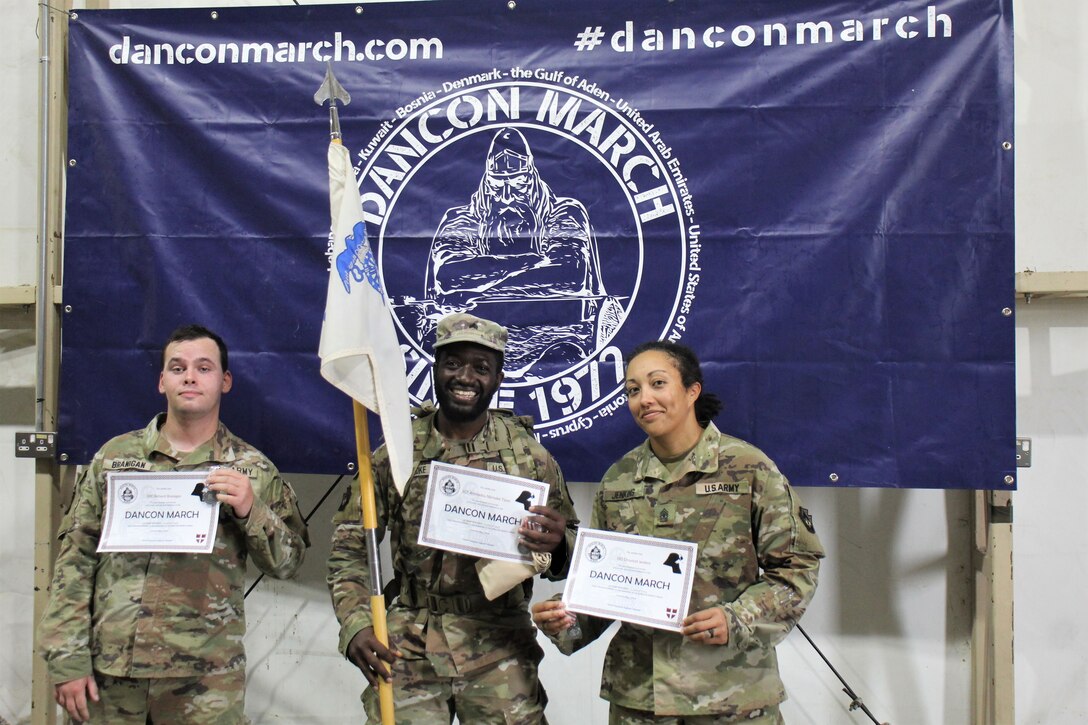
[731, 500]
[451, 637]
[156, 615]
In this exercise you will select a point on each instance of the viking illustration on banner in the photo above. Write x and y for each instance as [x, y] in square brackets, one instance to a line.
[517, 241]
[543, 206]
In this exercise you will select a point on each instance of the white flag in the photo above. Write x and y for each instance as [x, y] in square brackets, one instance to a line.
[359, 350]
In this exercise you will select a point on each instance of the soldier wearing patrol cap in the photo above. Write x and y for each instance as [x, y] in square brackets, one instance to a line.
[154, 637]
[461, 641]
[757, 565]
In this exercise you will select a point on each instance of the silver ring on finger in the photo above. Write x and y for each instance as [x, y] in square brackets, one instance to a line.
[710, 633]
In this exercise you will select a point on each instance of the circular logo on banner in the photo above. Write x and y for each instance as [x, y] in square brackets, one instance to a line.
[543, 203]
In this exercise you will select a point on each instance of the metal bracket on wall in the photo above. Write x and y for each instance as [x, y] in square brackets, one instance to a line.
[1023, 453]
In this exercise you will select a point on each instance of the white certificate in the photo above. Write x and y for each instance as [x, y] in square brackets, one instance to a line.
[168, 511]
[478, 513]
[637, 579]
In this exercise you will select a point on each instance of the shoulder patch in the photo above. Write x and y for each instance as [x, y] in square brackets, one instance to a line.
[806, 519]
[345, 499]
[128, 464]
[706, 488]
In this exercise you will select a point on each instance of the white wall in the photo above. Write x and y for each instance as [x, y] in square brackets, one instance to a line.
[1052, 363]
[1050, 508]
[893, 610]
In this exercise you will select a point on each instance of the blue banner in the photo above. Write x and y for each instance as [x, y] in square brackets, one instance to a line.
[816, 196]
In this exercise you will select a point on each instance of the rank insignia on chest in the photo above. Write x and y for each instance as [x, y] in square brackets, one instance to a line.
[496, 467]
[666, 515]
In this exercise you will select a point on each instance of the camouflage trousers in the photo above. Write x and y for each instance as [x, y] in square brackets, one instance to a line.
[619, 715]
[199, 700]
[505, 693]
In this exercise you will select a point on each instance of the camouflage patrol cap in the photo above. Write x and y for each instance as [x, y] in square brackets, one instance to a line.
[463, 327]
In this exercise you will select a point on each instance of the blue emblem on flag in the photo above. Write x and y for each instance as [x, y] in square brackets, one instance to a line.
[357, 261]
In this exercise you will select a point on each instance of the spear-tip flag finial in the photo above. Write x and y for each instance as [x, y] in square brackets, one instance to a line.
[332, 91]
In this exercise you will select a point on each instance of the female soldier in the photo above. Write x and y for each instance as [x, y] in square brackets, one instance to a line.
[756, 570]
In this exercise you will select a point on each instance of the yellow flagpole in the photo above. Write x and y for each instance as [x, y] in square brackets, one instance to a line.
[332, 91]
[370, 525]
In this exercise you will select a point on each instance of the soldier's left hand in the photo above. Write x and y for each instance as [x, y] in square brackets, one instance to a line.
[232, 487]
[707, 627]
[543, 530]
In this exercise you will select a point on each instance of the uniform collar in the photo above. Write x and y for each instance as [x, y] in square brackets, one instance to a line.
[702, 458]
[435, 443]
[218, 449]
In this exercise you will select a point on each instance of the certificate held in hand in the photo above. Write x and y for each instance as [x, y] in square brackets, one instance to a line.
[637, 579]
[476, 512]
[159, 511]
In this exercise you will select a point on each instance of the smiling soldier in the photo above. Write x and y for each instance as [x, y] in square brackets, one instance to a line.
[460, 640]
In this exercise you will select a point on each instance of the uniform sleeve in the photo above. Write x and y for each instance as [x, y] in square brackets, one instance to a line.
[560, 500]
[589, 628]
[348, 573]
[276, 535]
[64, 633]
[789, 554]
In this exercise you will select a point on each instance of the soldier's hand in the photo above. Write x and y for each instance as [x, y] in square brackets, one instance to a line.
[368, 654]
[73, 695]
[232, 487]
[707, 627]
[551, 617]
[544, 530]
